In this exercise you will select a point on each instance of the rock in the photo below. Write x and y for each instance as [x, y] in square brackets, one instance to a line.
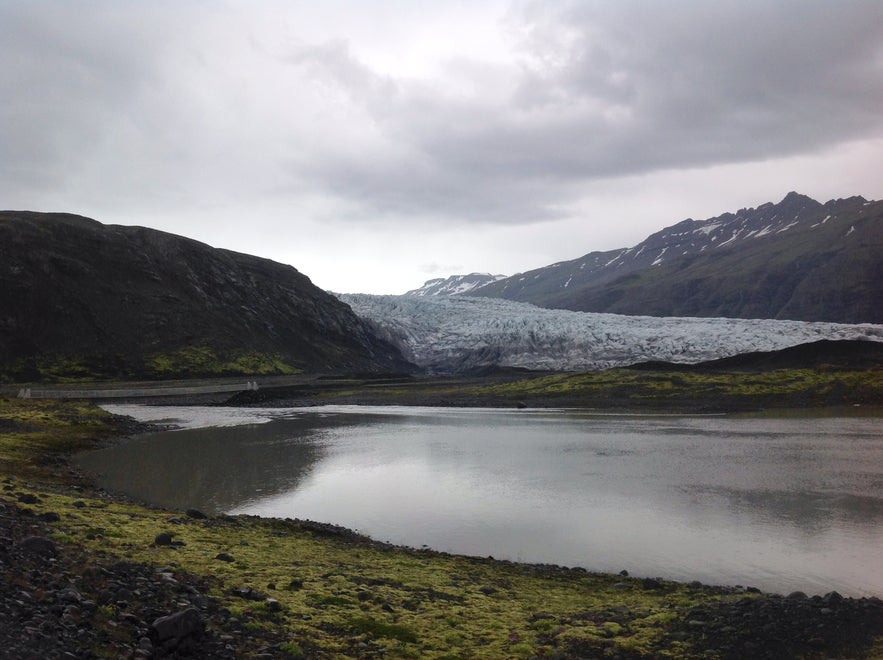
[28, 498]
[223, 556]
[49, 516]
[163, 538]
[273, 605]
[296, 583]
[195, 514]
[70, 595]
[487, 590]
[651, 584]
[248, 593]
[796, 595]
[178, 631]
[38, 545]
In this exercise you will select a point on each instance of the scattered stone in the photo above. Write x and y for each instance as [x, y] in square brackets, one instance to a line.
[487, 590]
[195, 514]
[163, 538]
[38, 545]
[49, 516]
[651, 584]
[78, 504]
[28, 498]
[177, 632]
[248, 593]
[296, 583]
[224, 556]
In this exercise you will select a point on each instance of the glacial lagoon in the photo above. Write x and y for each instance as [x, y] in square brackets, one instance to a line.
[779, 502]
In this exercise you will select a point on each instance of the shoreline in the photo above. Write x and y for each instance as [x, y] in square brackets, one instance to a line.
[383, 600]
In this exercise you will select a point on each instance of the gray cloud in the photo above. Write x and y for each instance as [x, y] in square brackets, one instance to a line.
[363, 127]
[611, 89]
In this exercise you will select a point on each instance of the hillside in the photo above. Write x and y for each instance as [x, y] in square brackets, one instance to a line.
[79, 299]
[798, 259]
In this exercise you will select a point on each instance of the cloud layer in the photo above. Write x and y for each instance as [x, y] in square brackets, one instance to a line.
[397, 118]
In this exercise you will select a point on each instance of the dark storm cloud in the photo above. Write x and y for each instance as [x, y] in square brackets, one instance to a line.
[182, 102]
[610, 89]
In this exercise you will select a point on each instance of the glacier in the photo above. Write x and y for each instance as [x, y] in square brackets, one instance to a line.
[459, 334]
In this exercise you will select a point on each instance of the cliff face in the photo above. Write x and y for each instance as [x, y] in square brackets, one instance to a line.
[83, 299]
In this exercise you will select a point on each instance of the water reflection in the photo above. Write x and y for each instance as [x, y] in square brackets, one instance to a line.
[215, 469]
[780, 503]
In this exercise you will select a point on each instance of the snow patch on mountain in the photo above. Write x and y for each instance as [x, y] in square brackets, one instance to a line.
[456, 334]
[454, 285]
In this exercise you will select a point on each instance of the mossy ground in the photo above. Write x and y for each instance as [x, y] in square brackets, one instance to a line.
[621, 389]
[816, 385]
[202, 360]
[196, 361]
[342, 595]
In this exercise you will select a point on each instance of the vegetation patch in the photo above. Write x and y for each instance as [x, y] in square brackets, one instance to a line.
[204, 361]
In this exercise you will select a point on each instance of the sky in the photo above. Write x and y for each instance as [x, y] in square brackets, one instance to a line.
[375, 145]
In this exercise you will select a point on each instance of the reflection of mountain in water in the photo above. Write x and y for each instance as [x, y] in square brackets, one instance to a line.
[182, 469]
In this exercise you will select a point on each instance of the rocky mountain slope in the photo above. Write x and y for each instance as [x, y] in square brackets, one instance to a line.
[798, 259]
[79, 299]
[459, 334]
[454, 285]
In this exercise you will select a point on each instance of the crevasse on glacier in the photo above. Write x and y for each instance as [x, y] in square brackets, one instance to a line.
[451, 334]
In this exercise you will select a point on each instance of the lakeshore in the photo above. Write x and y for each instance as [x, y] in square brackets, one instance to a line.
[291, 588]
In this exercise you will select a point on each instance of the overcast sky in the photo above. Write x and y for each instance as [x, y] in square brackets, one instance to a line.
[374, 145]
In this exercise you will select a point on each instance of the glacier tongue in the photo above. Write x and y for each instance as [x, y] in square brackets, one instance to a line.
[455, 334]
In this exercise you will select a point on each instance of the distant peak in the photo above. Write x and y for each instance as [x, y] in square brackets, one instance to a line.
[795, 197]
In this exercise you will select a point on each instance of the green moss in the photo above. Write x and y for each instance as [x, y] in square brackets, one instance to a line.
[65, 369]
[291, 648]
[202, 360]
[381, 629]
[853, 386]
[38, 433]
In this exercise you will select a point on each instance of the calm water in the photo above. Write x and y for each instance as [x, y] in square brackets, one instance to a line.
[781, 503]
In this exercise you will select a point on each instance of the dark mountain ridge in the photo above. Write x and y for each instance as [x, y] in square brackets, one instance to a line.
[798, 259]
[822, 354]
[82, 299]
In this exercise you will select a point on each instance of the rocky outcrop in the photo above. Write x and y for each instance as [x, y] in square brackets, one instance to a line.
[83, 299]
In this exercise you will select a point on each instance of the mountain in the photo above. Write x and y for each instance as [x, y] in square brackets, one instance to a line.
[79, 299]
[460, 334]
[455, 284]
[798, 259]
